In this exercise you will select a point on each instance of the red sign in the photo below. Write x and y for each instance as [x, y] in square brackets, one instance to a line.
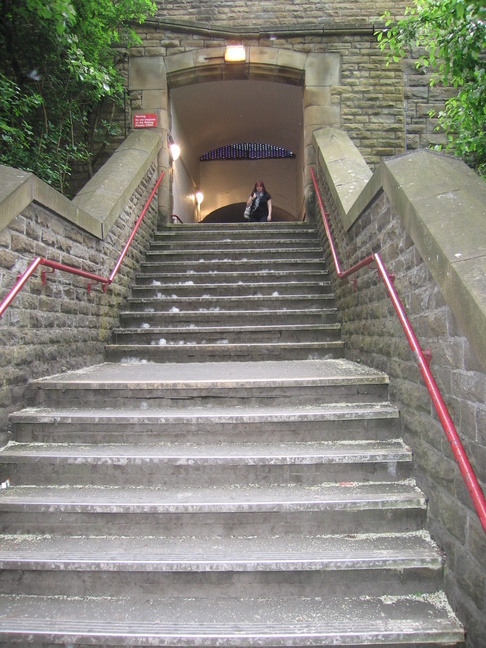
[145, 121]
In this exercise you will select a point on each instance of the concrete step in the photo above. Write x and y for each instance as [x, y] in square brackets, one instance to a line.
[255, 266]
[408, 621]
[235, 243]
[224, 351]
[197, 318]
[283, 553]
[245, 510]
[209, 254]
[159, 336]
[226, 303]
[293, 276]
[271, 566]
[269, 383]
[202, 231]
[188, 288]
[336, 421]
[195, 464]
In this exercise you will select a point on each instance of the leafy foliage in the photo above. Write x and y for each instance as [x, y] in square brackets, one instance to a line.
[58, 72]
[451, 36]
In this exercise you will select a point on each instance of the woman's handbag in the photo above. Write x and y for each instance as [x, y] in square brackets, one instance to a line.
[247, 213]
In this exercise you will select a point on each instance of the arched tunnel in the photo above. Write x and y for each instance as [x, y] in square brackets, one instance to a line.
[219, 114]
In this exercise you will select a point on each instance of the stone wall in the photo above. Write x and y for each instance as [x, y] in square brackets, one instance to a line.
[383, 109]
[52, 328]
[262, 14]
[369, 96]
[374, 336]
[423, 103]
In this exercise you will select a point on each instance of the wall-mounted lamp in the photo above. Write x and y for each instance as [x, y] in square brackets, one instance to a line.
[234, 53]
[199, 197]
[175, 149]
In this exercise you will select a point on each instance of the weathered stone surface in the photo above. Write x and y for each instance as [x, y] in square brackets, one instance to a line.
[60, 325]
[422, 214]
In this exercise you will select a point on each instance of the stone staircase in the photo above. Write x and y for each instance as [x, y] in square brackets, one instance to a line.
[223, 292]
[226, 478]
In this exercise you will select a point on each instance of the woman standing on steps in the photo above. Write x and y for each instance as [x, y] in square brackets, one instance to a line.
[261, 202]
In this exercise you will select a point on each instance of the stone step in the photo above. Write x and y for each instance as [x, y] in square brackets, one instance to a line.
[260, 254]
[336, 421]
[270, 566]
[374, 621]
[254, 266]
[290, 553]
[183, 464]
[293, 276]
[226, 303]
[234, 243]
[269, 383]
[202, 231]
[196, 318]
[246, 510]
[188, 288]
[224, 351]
[160, 336]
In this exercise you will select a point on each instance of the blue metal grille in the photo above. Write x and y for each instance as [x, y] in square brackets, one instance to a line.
[247, 152]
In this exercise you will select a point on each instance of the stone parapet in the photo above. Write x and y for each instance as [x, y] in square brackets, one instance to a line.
[48, 329]
[424, 213]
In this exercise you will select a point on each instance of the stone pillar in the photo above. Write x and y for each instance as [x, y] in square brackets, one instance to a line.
[147, 84]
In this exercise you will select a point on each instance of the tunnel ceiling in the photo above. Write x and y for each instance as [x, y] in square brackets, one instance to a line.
[216, 113]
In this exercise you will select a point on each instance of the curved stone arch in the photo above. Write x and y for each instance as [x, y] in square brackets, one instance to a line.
[153, 77]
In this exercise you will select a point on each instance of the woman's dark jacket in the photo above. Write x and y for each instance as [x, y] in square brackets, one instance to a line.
[261, 212]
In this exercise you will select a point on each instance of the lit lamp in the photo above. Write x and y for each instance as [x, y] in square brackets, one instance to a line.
[199, 197]
[234, 53]
[175, 149]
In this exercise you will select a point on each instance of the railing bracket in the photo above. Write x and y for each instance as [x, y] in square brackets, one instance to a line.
[427, 356]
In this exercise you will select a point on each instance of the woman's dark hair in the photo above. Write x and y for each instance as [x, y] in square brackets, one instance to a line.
[260, 182]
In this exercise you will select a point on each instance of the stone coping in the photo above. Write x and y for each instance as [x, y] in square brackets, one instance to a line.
[442, 205]
[97, 206]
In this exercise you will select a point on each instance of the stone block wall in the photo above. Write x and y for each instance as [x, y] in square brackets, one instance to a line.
[369, 96]
[262, 14]
[52, 328]
[374, 336]
[383, 109]
[422, 106]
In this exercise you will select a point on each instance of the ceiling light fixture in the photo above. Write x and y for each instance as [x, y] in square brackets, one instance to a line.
[199, 197]
[234, 53]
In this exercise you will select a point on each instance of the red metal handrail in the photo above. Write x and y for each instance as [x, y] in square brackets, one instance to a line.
[457, 448]
[22, 280]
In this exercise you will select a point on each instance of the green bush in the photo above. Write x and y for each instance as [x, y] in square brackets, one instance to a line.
[451, 36]
[58, 71]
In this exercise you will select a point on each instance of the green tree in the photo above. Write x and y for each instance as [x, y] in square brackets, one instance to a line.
[451, 37]
[59, 69]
